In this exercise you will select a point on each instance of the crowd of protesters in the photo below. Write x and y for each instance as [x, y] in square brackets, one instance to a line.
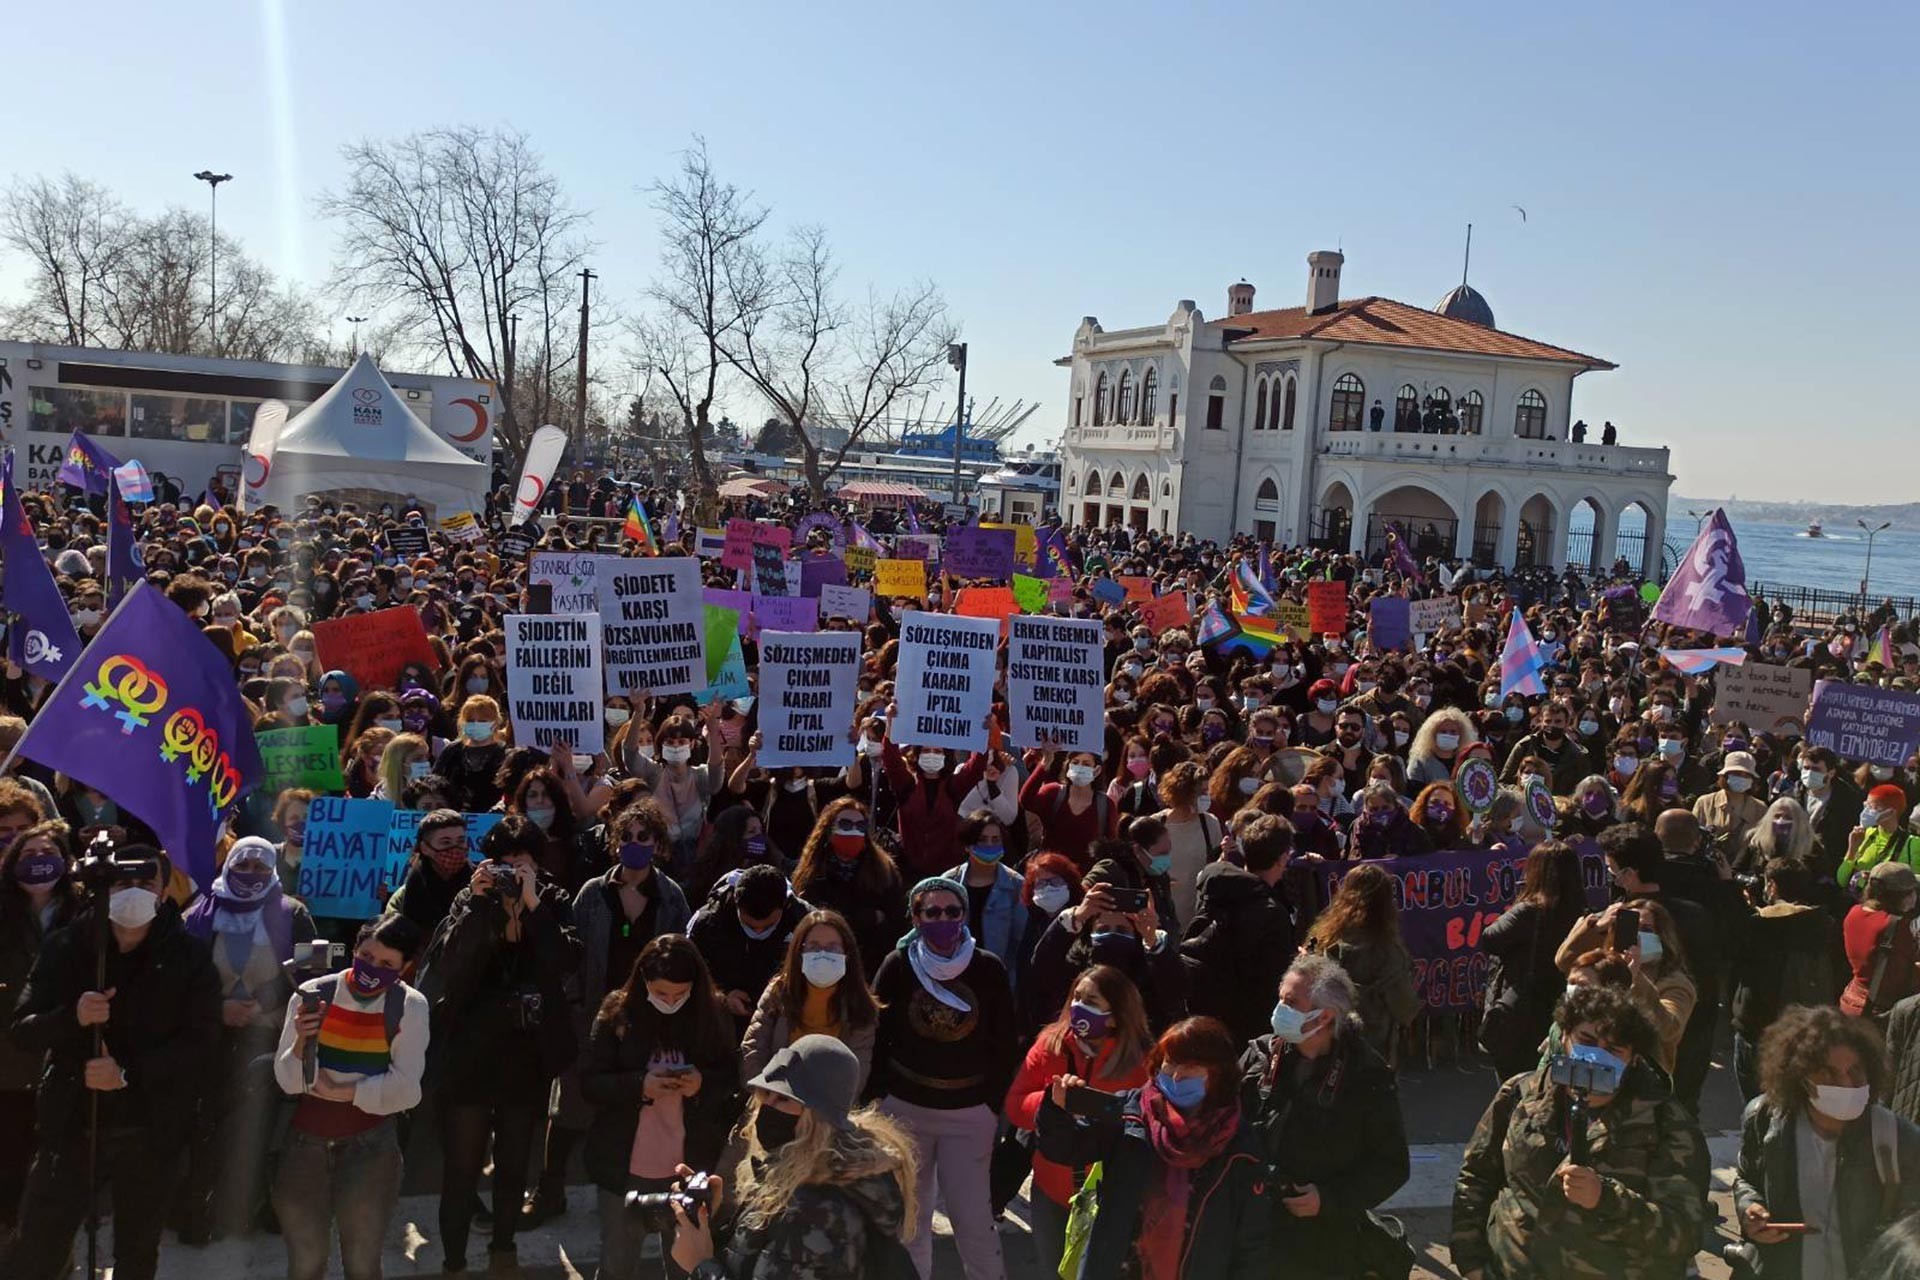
[1122, 978]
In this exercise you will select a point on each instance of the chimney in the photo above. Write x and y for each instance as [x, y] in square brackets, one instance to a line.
[1239, 298]
[1323, 280]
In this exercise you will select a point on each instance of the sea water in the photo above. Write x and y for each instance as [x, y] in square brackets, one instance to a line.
[1784, 554]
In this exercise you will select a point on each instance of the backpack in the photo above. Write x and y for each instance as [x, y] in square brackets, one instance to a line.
[393, 1011]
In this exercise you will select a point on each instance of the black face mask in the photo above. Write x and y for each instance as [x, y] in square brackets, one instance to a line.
[774, 1129]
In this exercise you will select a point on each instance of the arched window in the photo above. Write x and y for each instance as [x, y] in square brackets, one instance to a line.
[1142, 488]
[1286, 415]
[1260, 407]
[1441, 397]
[1100, 400]
[1216, 403]
[1268, 492]
[1470, 406]
[1116, 484]
[1406, 408]
[1530, 416]
[1123, 411]
[1349, 404]
[1166, 488]
[1149, 396]
[1073, 484]
[1093, 487]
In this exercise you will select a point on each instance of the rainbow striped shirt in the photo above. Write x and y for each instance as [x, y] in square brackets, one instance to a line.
[353, 1038]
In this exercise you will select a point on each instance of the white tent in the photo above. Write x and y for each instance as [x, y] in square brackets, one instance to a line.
[359, 435]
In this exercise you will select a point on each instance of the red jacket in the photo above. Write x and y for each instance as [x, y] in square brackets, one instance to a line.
[928, 811]
[1066, 831]
[1037, 1072]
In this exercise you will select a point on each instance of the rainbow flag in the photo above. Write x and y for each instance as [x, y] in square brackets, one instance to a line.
[1254, 636]
[1881, 651]
[1248, 593]
[1214, 626]
[637, 528]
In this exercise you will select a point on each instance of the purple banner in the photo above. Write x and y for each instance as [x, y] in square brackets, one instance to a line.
[786, 613]
[973, 552]
[1445, 900]
[821, 571]
[1859, 722]
[740, 602]
[1390, 622]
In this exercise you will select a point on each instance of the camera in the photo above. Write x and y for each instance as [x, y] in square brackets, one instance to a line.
[312, 960]
[654, 1209]
[506, 878]
[1583, 1075]
[105, 865]
[525, 1010]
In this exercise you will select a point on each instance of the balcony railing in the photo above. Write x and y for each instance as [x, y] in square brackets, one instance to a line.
[1491, 451]
[1123, 435]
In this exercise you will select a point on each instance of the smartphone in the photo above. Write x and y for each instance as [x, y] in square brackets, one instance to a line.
[1626, 931]
[1127, 901]
[1083, 1100]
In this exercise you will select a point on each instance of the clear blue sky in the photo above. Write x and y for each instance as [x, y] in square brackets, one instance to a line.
[1722, 199]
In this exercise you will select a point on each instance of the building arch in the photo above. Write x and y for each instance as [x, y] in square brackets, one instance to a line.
[1333, 515]
[1538, 522]
[1116, 483]
[1426, 517]
[1123, 404]
[1473, 408]
[1142, 488]
[1590, 533]
[1260, 406]
[1406, 408]
[1491, 512]
[1100, 399]
[1530, 415]
[1093, 484]
[1149, 395]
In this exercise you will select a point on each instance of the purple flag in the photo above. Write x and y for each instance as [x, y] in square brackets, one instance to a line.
[153, 719]
[124, 566]
[1708, 592]
[87, 465]
[1401, 559]
[40, 634]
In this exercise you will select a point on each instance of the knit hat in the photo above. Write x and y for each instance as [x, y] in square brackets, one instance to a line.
[818, 1072]
[1887, 797]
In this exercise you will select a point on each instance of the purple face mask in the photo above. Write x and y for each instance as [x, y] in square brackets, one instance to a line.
[1212, 733]
[754, 848]
[370, 979]
[39, 868]
[1088, 1022]
[636, 855]
[1596, 804]
[942, 935]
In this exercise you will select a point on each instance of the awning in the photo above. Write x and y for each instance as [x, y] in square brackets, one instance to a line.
[881, 491]
[751, 487]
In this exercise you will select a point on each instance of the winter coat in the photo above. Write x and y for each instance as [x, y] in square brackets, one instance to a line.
[1523, 982]
[826, 1233]
[1768, 1174]
[1057, 961]
[1003, 920]
[1903, 1048]
[929, 810]
[1229, 1205]
[1337, 1127]
[1785, 942]
[21, 939]
[613, 1074]
[1029, 1089]
[1383, 973]
[1395, 837]
[1237, 948]
[163, 1029]
[770, 1029]
[1510, 1218]
[594, 924]
[879, 919]
[737, 962]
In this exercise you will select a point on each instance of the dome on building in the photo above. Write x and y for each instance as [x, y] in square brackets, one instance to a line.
[1464, 302]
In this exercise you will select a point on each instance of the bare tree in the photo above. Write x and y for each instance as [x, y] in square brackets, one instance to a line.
[465, 233]
[821, 364]
[73, 232]
[709, 226]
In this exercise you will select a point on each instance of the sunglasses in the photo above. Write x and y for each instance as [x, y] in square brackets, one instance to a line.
[942, 913]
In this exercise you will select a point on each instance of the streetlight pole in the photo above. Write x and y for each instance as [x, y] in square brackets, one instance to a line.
[355, 321]
[957, 357]
[1699, 518]
[1866, 575]
[213, 181]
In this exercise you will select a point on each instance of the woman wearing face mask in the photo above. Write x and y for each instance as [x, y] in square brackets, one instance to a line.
[1589, 810]
[1523, 982]
[496, 977]
[1435, 750]
[1324, 1111]
[683, 789]
[943, 1058]
[1727, 814]
[1382, 829]
[842, 869]
[1073, 813]
[365, 1031]
[1782, 832]
[475, 678]
[1627, 1201]
[421, 715]
[471, 762]
[1233, 783]
[1439, 817]
[1663, 985]
[661, 1071]
[1655, 788]
[38, 894]
[928, 784]
[540, 797]
[821, 989]
[378, 709]
[1820, 1147]
[1882, 836]
[339, 696]
[1315, 728]
[360, 762]
[1100, 1038]
[403, 760]
[994, 915]
[290, 822]
[1133, 789]
[287, 704]
[1623, 759]
[251, 927]
[1051, 886]
[1183, 1191]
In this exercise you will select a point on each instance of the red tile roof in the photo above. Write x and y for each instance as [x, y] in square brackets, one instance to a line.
[1384, 322]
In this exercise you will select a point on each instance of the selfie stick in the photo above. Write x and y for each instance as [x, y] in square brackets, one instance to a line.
[100, 936]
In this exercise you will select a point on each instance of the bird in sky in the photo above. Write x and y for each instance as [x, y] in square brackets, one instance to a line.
[1523, 212]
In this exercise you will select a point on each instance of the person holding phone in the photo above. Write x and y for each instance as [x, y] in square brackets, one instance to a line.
[1098, 1044]
[1824, 1166]
[1116, 923]
[1663, 987]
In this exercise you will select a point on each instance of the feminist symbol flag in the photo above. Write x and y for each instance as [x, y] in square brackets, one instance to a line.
[152, 718]
[1708, 592]
[40, 632]
[125, 566]
[87, 465]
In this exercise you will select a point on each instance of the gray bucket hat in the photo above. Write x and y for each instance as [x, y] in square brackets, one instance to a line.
[818, 1072]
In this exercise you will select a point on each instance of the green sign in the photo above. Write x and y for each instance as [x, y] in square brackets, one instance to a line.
[306, 755]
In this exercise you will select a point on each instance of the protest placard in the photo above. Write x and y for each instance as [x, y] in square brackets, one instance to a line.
[1389, 622]
[741, 602]
[737, 551]
[730, 680]
[515, 544]
[976, 552]
[463, 526]
[305, 755]
[1764, 696]
[1292, 617]
[573, 575]
[1139, 588]
[1327, 607]
[922, 547]
[1060, 590]
[709, 544]
[723, 627]
[859, 559]
[407, 540]
[554, 692]
[1107, 591]
[372, 647]
[807, 698]
[997, 603]
[343, 857]
[1163, 613]
[1025, 540]
[652, 624]
[819, 571]
[1441, 613]
[785, 613]
[945, 684]
[1055, 691]
[769, 570]
[1859, 722]
[1030, 592]
[852, 603]
[893, 578]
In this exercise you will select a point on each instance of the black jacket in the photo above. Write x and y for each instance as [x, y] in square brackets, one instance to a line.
[1334, 1123]
[1229, 1213]
[1237, 948]
[1061, 955]
[427, 896]
[1782, 941]
[1767, 1173]
[737, 962]
[613, 1074]
[1522, 981]
[163, 1030]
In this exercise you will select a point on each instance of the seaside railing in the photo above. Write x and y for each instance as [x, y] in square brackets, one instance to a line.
[1820, 604]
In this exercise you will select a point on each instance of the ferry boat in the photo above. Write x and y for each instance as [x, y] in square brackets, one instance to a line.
[1813, 529]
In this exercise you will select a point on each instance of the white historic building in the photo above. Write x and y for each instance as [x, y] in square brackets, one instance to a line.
[1303, 425]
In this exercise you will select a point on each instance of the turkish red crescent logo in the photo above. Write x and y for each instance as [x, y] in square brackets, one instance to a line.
[366, 395]
[539, 492]
[266, 466]
[479, 422]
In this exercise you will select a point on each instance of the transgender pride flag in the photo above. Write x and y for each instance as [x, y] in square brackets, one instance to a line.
[1520, 661]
